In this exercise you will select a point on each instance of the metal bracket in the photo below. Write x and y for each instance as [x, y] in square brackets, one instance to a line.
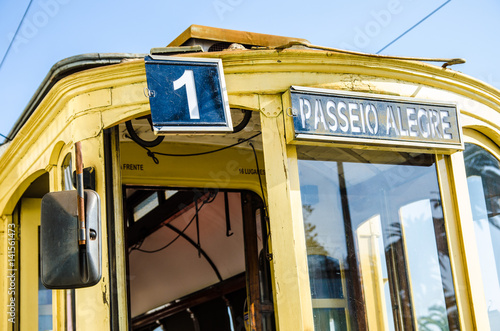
[291, 112]
[271, 114]
[149, 93]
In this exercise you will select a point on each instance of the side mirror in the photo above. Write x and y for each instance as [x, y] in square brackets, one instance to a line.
[66, 264]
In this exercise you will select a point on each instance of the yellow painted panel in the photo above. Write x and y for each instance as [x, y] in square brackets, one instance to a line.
[115, 115]
[233, 168]
[92, 308]
[29, 223]
[464, 256]
[129, 94]
[87, 126]
[293, 305]
[92, 304]
[90, 100]
[119, 228]
[244, 101]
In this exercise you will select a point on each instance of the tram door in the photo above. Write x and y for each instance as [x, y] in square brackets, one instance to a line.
[196, 260]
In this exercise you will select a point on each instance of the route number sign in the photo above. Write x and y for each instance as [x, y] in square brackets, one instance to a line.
[187, 95]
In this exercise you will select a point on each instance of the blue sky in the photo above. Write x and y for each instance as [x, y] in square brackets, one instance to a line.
[56, 29]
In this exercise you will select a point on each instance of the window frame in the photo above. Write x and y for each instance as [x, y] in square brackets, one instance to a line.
[481, 140]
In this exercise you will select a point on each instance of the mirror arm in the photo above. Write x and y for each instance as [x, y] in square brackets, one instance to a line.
[82, 233]
[80, 196]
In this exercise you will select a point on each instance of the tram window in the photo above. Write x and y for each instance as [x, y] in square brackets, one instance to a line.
[483, 179]
[44, 307]
[188, 259]
[66, 173]
[377, 250]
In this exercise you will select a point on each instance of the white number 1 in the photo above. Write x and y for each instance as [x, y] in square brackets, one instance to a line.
[187, 79]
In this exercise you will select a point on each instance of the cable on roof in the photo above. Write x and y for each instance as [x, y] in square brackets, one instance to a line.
[153, 155]
[447, 61]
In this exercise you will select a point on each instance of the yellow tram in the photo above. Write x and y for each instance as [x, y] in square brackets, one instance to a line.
[347, 191]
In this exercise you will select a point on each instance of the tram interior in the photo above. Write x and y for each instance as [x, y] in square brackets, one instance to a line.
[186, 259]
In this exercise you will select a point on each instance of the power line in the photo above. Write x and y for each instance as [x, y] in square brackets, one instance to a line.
[10, 45]
[414, 26]
[15, 34]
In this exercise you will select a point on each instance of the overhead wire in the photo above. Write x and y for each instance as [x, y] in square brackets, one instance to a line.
[15, 33]
[10, 45]
[5, 137]
[414, 26]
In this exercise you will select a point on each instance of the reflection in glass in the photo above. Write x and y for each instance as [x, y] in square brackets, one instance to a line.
[44, 307]
[66, 173]
[483, 179]
[376, 243]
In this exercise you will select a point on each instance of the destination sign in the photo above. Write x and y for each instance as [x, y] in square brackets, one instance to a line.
[322, 114]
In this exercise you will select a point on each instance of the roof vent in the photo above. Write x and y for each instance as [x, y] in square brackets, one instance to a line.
[220, 46]
[216, 40]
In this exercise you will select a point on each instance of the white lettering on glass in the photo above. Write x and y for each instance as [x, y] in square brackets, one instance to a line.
[304, 103]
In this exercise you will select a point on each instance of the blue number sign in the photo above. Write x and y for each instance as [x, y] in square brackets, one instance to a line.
[187, 95]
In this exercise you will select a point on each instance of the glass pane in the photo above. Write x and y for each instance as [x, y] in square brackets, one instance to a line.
[377, 250]
[66, 174]
[44, 307]
[483, 178]
[146, 206]
[424, 257]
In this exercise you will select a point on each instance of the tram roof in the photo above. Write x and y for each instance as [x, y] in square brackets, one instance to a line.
[209, 38]
[62, 69]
